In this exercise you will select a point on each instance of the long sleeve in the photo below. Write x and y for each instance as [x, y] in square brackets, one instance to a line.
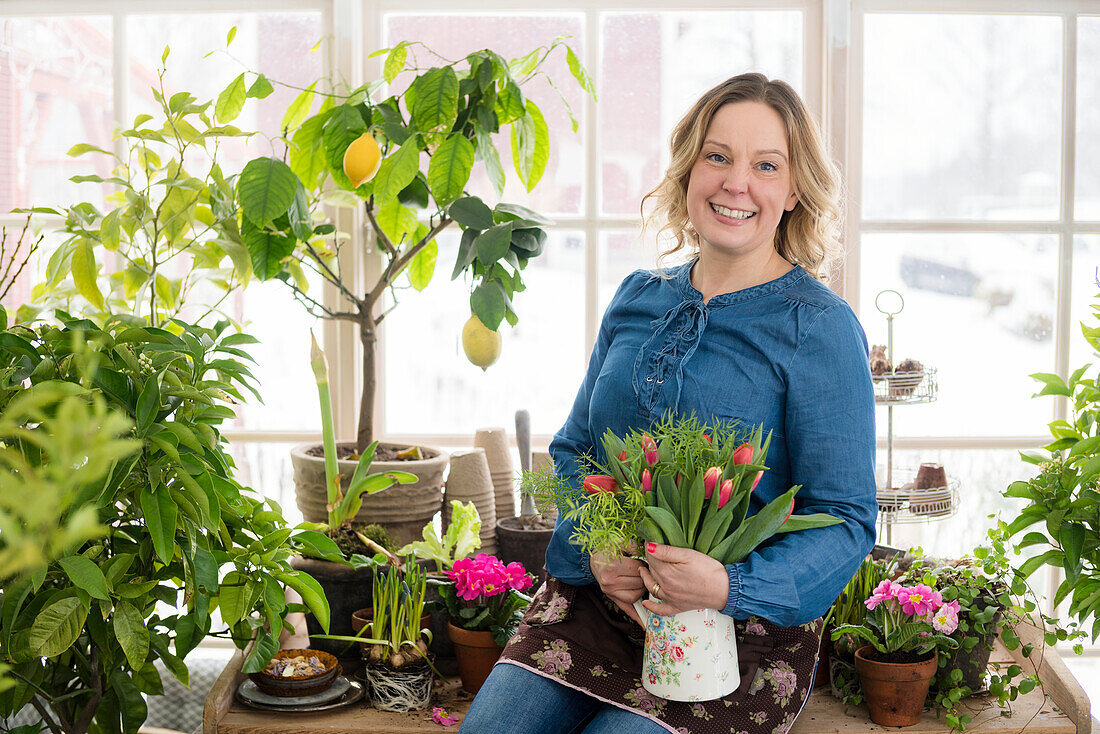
[830, 435]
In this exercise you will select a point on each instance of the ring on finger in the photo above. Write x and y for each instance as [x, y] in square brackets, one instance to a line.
[655, 592]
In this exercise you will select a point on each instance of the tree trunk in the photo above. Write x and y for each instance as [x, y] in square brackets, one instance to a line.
[368, 339]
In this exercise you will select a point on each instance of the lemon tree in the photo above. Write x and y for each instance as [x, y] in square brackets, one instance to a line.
[406, 156]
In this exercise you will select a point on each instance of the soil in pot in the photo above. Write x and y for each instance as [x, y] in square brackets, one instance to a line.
[524, 539]
[895, 691]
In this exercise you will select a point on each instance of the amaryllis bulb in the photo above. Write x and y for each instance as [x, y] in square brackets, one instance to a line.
[710, 480]
[647, 481]
[597, 483]
[724, 492]
[743, 454]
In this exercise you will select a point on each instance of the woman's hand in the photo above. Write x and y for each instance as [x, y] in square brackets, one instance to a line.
[687, 580]
[618, 578]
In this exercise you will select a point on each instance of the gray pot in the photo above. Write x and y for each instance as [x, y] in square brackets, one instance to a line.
[403, 509]
[347, 590]
[526, 546]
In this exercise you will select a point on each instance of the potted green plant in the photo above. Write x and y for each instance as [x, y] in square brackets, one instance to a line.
[422, 141]
[165, 534]
[850, 609]
[485, 602]
[338, 563]
[905, 627]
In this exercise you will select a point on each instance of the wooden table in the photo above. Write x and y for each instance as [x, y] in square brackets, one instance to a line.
[1059, 707]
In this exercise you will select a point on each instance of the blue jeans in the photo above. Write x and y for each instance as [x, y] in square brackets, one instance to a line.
[516, 701]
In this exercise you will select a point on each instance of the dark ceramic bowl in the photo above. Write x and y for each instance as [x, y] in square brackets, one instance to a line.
[300, 685]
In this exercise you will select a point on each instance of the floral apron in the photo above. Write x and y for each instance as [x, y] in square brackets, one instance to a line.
[579, 637]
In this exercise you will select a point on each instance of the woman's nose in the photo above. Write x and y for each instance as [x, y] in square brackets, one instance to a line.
[737, 178]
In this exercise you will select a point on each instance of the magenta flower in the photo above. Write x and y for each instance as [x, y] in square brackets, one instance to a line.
[710, 480]
[919, 600]
[885, 591]
[485, 575]
[647, 481]
[649, 446]
[724, 492]
[518, 578]
[440, 716]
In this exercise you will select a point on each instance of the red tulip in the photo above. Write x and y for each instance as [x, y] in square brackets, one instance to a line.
[724, 492]
[743, 454]
[622, 455]
[649, 446]
[710, 480]
[647, 481]
[597, 483]
[789, 511]
[708, 439]
[759, 476]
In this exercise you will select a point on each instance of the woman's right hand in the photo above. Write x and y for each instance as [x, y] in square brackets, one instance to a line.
[619, 579]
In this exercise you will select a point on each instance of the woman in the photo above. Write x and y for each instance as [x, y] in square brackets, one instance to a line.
[744, 330]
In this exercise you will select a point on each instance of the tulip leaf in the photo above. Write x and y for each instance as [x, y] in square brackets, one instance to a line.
[807, 522]
[713, 529]
[760, 527]
[650, 533]
[693, 508]
[668, 524]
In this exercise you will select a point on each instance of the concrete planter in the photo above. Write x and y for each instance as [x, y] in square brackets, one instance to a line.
[403, 509]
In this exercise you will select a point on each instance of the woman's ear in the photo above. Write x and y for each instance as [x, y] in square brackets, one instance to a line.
[792, 200]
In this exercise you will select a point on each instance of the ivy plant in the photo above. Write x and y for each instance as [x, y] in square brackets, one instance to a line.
[434, 123]
[119, 424]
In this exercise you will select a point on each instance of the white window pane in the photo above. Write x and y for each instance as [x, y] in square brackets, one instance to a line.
[954, 125]
[1084, 295]
[980, 309]
[622, 252]
[560, 191]
[982, 476]
[1088, 119]
[432, 387]
[265, 467]
[275, 44]
[55, 91]
[655, 65]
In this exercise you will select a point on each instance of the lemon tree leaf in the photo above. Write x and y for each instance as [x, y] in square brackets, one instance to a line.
[396, 220]
[132, 633]
[579, 73]
[540, 150]
[312, 594]
[435, 99]
[260, 88]
[266, 190]
[422, 266]
[488, 303]
[57, 626]
[472, 212]
[489, 155]
[342, 127]
[84, 269]
[160, 519]
[85, 575]
[493, 243]
[267, 250]
[450, 168]
[297, 111]
[397, 170]
[395, 62]
[231, 100]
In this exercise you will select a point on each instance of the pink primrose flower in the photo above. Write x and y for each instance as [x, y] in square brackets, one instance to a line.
[916, 601]
[518, 578]
[483, 575]
[945, 619]
[441, 717]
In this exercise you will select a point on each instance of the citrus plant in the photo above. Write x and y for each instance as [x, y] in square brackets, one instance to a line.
[405, 156]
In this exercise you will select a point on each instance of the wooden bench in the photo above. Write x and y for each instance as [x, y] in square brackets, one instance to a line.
[1059, 707]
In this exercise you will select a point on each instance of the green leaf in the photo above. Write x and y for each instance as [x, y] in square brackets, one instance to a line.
[808, 522]
[489, 155]
[160, 520]
[233, 597]
[1072, 539]
[299, 109]
[449, 169]
[523, 216]
[148, 404]
[85, 575]
[488, 303]
[579, 73]
[230, 101]
[266, 189]
[110, 231]
[397, 170]
[435, 99]
[395, 62]
[760, 527]
[57, 627]
[533, 144]
[81, 148]
[266, 249]
[263, 649]
[132, 633]
[396, 220]
[1085, 446]
[301, 220]
[668, 525]
[422, 267]
[471, 212]
[493, 243]
[319, 545]
[131, 704]
[1031, 565]
[306, 152]
[1052, 384]
[311, 592]
[260, 88]
[84, 272]
[343, 126]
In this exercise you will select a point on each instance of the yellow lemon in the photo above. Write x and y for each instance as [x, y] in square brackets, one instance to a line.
[481, 344]
[361, 159]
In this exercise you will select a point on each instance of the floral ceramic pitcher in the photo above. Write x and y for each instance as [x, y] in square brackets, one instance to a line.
[690, 656]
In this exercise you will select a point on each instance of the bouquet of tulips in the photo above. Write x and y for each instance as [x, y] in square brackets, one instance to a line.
[684, 484]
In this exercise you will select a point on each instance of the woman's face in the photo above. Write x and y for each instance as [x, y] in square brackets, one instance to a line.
[741, 183]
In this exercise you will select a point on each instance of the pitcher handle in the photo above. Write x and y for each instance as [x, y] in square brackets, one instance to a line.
[643, 613]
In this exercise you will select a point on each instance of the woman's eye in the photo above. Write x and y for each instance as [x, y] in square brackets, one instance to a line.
[768, 167]
[716, 157]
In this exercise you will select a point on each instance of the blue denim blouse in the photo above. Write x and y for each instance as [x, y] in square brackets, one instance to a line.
[788, 353]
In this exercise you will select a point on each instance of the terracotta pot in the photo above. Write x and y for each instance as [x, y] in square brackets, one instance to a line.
[477, 653]
[894, 692]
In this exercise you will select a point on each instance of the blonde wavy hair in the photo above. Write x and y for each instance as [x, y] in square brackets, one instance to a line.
[809, 234]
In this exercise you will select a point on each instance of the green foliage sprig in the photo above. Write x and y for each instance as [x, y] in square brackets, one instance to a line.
[174, 538]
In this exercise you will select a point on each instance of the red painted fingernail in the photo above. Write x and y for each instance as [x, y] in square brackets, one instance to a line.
[650, 547]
